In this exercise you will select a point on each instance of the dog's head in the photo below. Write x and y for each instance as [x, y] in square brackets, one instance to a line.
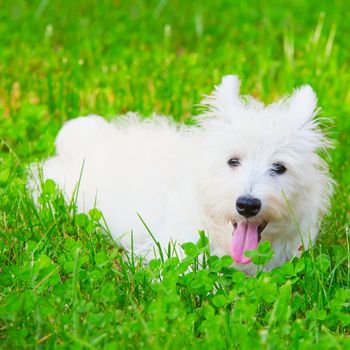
[263, 172]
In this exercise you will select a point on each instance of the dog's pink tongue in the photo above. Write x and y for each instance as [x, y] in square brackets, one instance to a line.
[244, 238]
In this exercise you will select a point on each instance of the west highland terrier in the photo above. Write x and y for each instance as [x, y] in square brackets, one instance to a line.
[246, 173]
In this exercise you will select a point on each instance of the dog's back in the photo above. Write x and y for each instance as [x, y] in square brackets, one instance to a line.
[125, 168]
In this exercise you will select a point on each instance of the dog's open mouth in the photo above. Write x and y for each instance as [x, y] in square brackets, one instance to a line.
[245, 236]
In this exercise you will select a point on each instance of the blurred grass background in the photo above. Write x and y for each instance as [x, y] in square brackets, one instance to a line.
[60, 59]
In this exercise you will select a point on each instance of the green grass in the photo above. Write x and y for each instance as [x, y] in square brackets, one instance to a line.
[63, 283]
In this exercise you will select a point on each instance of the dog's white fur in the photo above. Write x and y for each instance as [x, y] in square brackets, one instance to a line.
[178, 180]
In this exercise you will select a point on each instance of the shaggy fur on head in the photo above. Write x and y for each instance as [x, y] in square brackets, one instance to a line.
[181, 180]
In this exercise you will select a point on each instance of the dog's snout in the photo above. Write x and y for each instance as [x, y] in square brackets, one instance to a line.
[248, 206]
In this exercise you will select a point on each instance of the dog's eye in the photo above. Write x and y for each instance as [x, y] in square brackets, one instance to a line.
[278, 169]
[234, 162]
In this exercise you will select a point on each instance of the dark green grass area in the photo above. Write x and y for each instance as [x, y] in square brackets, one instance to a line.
[63, 282]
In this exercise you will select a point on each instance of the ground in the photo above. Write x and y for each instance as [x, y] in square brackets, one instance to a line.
[63, 282]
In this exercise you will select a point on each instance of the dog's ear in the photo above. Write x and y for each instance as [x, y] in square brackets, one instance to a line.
[225, 99]
[302, 106]
[227, 93]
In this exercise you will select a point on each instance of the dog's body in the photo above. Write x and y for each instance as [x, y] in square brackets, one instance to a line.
[245, 172]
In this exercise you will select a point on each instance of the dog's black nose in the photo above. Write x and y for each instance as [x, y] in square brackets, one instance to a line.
[248, 206]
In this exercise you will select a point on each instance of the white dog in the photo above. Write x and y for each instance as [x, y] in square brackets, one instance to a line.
[246, 172]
